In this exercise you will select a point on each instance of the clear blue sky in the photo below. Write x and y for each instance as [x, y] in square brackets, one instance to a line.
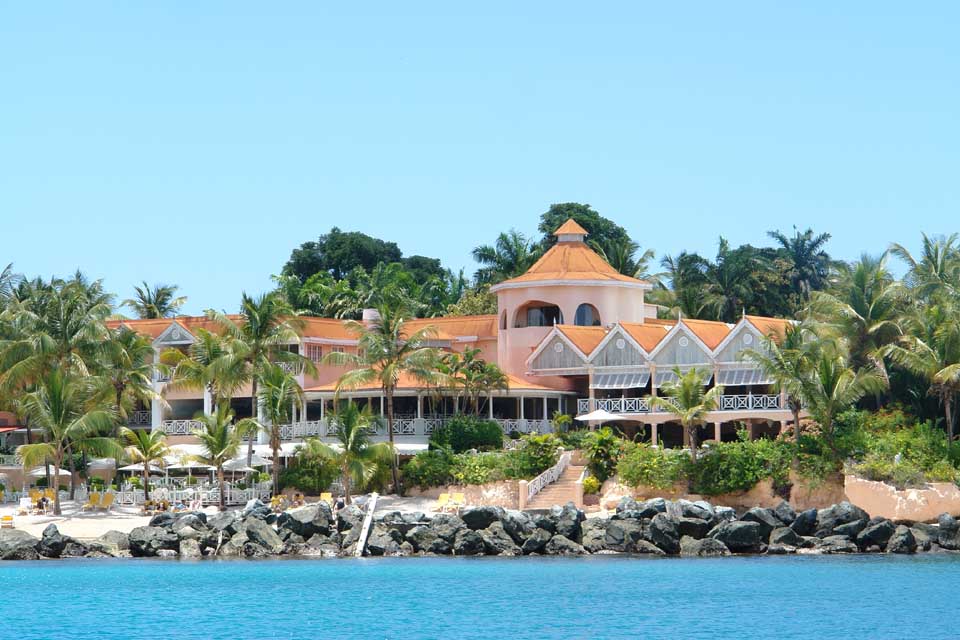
[198, 143]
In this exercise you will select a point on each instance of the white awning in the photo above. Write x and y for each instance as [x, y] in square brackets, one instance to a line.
[663, 377]
[633, 380]
[742, 376]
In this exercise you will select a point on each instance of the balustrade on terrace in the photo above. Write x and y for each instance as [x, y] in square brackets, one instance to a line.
[627, 406]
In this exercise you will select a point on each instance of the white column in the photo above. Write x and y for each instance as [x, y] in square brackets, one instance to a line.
[156, 413]
[716, 431]
[419, 406]
[207, 402]
[323, 408]
[381, 405]
[490, 405]
[653, 433]
[521, 408]
[545, 416]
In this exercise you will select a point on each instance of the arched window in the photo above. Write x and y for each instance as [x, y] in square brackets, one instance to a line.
[587, 316]
[503, 320]
[538, 314]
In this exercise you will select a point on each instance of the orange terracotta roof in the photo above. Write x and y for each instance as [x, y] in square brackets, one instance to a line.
[571, 261]
[570, 227]
[647, 336]
[712, 333]
[774, 328]
[153, 328]
[585, 338]
[329, 328]
[451, 327]
[407, 382]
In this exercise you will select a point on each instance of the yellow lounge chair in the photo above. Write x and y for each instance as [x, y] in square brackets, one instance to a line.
[106, 501]
[326, 497]
[458, 502]
[6, 522]
[1, 496]
[93, 502]
[443, 500]
[49, 494]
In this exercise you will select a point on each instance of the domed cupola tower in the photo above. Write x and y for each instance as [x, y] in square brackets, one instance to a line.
[569, 285]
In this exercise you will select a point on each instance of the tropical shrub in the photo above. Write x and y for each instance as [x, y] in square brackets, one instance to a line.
[602, 448]
[478, 468]
[463, 433]
[738, 466]
[96, 483]
[591, 485]
[429, 469]
[309, 477]
[649, 466]
[574, 439]
[536, 454]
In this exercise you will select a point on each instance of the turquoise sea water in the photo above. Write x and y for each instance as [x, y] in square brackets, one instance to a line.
[598, 597]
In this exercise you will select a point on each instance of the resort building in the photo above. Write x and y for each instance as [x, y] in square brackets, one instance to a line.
[572, 335]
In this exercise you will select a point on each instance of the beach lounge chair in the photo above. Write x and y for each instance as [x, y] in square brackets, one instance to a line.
[457, 502]
[443, 501]
[106, 501]
[326, 497]
[25, 506]
[49, 495]
[6, 522]
[92, 502]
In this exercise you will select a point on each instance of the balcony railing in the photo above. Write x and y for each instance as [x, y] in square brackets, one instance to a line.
[8, 461]
[405, 426]
[139, 418]
[180, 427]
[628, 406]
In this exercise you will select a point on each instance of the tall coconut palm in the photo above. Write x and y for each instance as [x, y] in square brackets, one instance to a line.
[833, 386]
[279, 391]
[8, 283]
[261, 337]
[357, 458]
[936, 269]
[931, 350]
[220, 441]
[158, 301]
[511, 255]
[147, 448]
[688, 398]
[61, 407]
[387, 350]
[210, 364]
[810, 263]
[786, 361]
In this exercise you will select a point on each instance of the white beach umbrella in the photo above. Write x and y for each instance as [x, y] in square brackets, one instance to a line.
[139, 467]
[257, 461]
[191, 464]
[100, 464]
[600, 415]
[239, 464]
[40, 472]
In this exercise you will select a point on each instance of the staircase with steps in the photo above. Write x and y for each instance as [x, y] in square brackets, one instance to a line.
[560, 492]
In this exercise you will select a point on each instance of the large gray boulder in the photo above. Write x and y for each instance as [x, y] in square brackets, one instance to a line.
[785, 536]
[497, 541]
[149, 541]
[767, 520]
[621, 535]
[562, 546]
[878, 533]
[190, 549]
[902, 540]
[226, 522]
[662, 531]
[446, 525]
[518, 525]
[481, 517]
[52, 542]
[700, 509]
[162, 519]
[261, 533]
[593, 534]
[536, 541]
[307, 521]
[851, 529]
[693, 527]
[839, 514]
[425, 539]
[805, 524]
[567, 519]
[702, 548]
[725, 514]
[17, 545]
[350, 517]
[112, 543]
[948, 533]
[384, 540]
[785, 513]
[468, 542]
[836, 544]
[739, 536]
[925, 534]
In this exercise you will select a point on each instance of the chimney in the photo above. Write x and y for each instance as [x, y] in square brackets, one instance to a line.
[370, 316]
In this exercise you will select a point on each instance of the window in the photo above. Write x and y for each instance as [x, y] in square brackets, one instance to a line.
[314, 351]
[503, 320]
[587, 316]
[337, 350]
[538, 314]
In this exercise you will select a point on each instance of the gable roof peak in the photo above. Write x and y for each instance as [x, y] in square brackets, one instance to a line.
[571, 228]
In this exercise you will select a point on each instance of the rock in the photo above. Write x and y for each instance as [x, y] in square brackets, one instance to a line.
[350, 517]
[194, 521]
[948, 533]
[877, 534]
[567, 519]
[925, 535]
[497, 541]
[785, 513]
[188, 533]
[225, 521]
[51, 542]
[628, 508]
[166, 553]
[149, 541]
[481, 517]
[805, 523]
[234, 545]
[836, 544]
[518, 525]
[543, 521]
[324, 546]
[693, 527]
[850, 529]
[402, 522]
[593, 533]
[767, 520]
[425, 538]
[162, 519]
[255, 508]
[706, 547]
[785, 536]
[780, 549]
[406, 549]
[700, 510]
[627, 504]
[261, 533]
[725, 514]
[739, 536]
[467, 543]
[17, 545]
[662, 531]
[538, 539]
[112, 543]
[190, 549]
[560, 545]
[621, 535]
[646, 548]
[902, 540]
[383, 540]
[839, 514]
[446, 526]
[307, 521]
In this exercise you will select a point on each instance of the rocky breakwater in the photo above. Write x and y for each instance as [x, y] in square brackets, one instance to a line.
[654, 527]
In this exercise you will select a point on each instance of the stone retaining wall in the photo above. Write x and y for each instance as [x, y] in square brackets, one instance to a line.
[505, 493]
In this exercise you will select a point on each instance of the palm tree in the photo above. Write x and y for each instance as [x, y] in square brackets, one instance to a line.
[279, 391]
[260, 338]
[61, 407]
[686, 276]
[936, 270]
[386, 351]
[511, 255]
[210, 364]
[158, 301]
[787, 362]
[357, 458]
[688, 398]
[8, 283]
[220, 440]
[833, 386]
[621, 254]
[931, 350]
[147, 448]
[810, 262]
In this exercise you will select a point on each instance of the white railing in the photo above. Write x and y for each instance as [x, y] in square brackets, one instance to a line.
[548, 476]
[140, 418]
[160, 376]
[8, 461]
[405, 427]
[624, 406]
[180, 427]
